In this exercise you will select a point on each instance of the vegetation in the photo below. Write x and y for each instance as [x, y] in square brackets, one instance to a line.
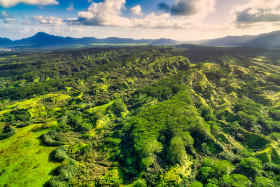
[140, 116]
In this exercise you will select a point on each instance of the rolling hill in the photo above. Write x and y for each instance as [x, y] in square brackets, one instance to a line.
[140, 116]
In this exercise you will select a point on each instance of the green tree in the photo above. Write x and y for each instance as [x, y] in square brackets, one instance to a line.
[262, 181]
[250, 167]
[275, 136]
[221, 168]
[176, 151]
[196, 184]
[234, 180]
[118, 107]
[211, 185]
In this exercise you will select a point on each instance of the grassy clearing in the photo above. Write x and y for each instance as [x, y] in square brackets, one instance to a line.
[24, 161]
[33, 103]
[103, 118]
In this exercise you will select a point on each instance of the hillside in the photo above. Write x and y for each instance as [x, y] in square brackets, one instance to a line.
[271, 40]
[140, 116]
[44, 40]
[229, 41]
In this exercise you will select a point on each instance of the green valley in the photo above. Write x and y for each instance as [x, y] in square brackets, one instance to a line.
[139, 116]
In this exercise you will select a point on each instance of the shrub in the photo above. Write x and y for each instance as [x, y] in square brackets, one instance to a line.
[7, 132]
[24, 124]
[17, 115]
[60, 153]
[111, 178]
[50, 138]
[79, 121]
[65, 176]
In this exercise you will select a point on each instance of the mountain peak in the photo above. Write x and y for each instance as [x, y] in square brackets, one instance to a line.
[41, 34]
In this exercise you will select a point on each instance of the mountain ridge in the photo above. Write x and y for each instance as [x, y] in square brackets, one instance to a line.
[42, 39]
[271, 39]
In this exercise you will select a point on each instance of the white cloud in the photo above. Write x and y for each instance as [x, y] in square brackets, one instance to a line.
[7, 17]
[71, 7]
[5, 14]
[41, 20]
[258, 11]
[136, 10]
[71, 19]
[107, 13]
[9, 20]
[162, 21]
[10, 3]
[198, 8]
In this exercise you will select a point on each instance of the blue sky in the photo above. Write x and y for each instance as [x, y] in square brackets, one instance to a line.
[183, 20]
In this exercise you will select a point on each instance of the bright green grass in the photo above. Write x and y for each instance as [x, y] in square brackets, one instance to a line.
[32, 103]
[24, 161]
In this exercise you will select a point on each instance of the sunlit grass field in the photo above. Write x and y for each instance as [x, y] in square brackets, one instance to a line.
[24, 161]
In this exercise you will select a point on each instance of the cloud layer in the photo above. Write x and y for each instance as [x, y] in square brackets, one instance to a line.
[10, 3]
[184, 14]
[179, 19]
[257, 11]
[41, 20]
[189, 7]
[109, 13]
[47, 20]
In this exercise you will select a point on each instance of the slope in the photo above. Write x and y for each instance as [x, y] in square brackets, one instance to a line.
[148, 116]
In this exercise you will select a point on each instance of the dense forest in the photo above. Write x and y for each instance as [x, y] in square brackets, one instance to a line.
[140, 116]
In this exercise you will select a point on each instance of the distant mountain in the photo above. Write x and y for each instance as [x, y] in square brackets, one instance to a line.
[270, 40]
[5, 41]
[164, 41]
[42, 39]
[115, 40]
[229, 41]
[263, 40]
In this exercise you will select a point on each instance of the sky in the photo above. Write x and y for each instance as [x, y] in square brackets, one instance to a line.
[182, 20]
